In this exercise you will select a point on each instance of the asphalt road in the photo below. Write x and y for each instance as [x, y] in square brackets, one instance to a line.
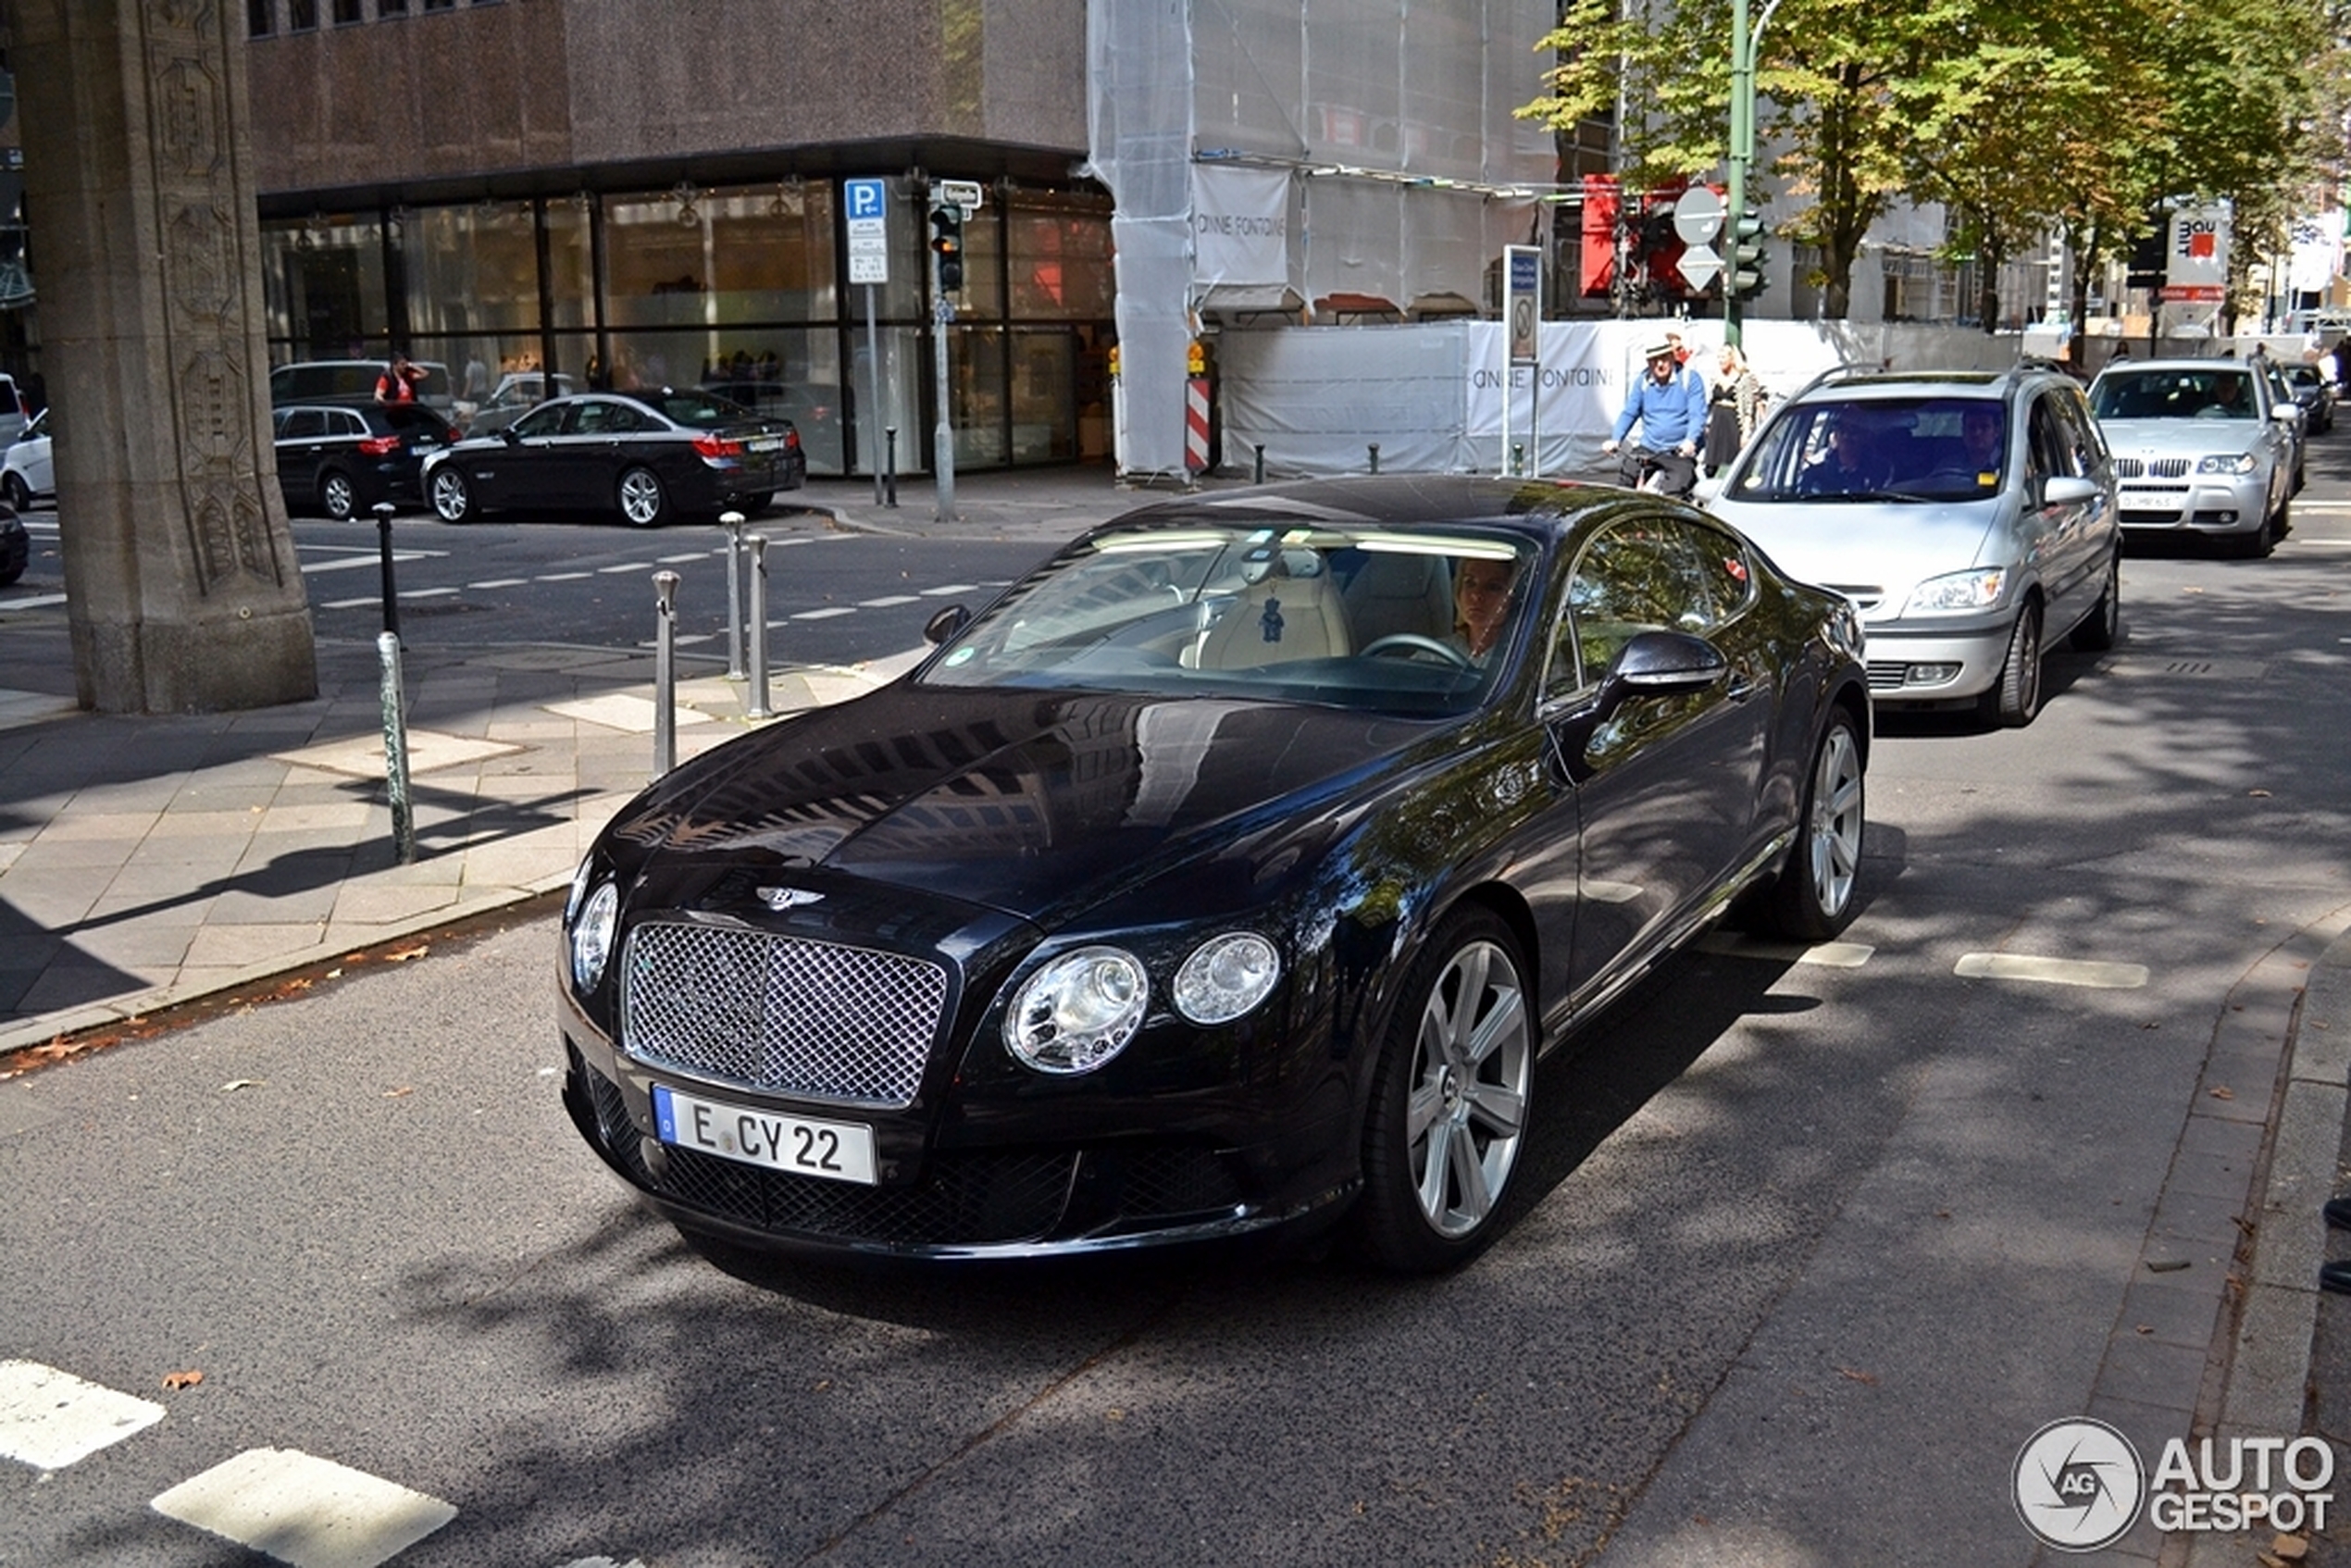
[1805, 1251]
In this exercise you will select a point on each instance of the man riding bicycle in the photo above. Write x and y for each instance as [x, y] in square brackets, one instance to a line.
[1669, 403]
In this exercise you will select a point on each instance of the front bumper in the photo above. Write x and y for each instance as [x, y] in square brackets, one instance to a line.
[1945, 663]
[2219, 503]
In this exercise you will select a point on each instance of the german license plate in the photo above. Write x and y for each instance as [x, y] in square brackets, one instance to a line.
[767, 443]
[833, 1151]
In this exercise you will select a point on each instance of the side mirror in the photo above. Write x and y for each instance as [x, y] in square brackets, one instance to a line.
[508, 435]
[2068, 489]
[1658, 664]
[946, 624]
[2285, 412]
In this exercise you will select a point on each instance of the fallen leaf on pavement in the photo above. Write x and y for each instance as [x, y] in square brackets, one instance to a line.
[1857, 1376]
[2222, 1091]
[2259, 794]
[235, 1084]
[403, 954]
[400, 1093]
[178, 1380]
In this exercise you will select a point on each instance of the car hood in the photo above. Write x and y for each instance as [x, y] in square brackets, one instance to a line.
[2181, 438]
[1029, 802]
[1874, 553]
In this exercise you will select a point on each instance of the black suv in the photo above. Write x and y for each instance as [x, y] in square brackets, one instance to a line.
[340, 459]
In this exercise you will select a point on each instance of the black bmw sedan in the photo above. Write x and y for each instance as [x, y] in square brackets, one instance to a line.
[650, 455]
[1230, 871]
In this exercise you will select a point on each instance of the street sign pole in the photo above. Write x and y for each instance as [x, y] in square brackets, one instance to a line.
[873, 383]
[942, 435]
[1745, 43]
[867, 203]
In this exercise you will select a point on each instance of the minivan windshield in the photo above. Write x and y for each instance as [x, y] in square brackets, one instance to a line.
[1879, 449]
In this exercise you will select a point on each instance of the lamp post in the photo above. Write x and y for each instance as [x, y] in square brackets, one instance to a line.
[1744, 44]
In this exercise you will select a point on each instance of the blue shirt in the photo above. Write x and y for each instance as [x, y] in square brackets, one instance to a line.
[1668, 412]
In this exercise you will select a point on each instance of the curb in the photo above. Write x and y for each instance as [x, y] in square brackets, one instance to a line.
[2269, 1359]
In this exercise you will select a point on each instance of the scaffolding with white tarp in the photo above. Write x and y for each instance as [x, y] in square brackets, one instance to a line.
[1322, 160]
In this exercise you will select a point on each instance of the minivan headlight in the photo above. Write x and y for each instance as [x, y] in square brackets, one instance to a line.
[1978, 589]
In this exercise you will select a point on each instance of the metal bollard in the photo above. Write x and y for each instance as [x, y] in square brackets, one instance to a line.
[1518, 458]
[1375, 457]
[664, 672]
[404, 826]
[755, 700]
[889, 464]
[1257, 470]
[383, 550]
[733, 523]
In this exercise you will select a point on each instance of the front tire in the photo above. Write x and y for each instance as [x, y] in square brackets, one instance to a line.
[20, 494]
[644, 501]
[337, 497]
[1812, 899]
[2103, 627]
[452, 498]
[2015, 699]
[1449, 1096]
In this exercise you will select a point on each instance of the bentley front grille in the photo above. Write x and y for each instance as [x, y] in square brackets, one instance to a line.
[780, 1014]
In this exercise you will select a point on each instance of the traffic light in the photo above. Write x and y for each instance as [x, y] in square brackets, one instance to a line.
[947, 240]
[1745, 277]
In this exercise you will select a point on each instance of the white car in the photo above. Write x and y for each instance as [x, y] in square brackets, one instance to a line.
[26, 474]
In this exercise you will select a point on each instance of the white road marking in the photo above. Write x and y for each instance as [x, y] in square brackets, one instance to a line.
[950, 588]
[624, 567]
[37, 602]
[501, 583]
[564, 577]
[349, 603]
[352, 563]
[425, 592]
[824, 614]
[681, 560]
[2052, 970]
[49, 1419]
[310, 1513]
[887, 602]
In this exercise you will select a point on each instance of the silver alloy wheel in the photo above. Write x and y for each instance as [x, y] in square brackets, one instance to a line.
[1473, 1062]
[337, 498]
[1833, 854]
[452, 501]
[641, 500]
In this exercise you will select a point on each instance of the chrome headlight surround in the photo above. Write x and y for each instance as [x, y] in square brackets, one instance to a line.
[591, 931]
[1957, 592]
[1078, 1011]
[1225, 976]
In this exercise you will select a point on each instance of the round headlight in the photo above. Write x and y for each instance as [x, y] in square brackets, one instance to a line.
[591, 935]
[1078, 1011]
[1225, 976]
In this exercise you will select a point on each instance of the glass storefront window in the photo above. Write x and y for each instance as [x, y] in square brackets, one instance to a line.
[791, 371]
[1060, 263]
[323, 287]
[699, 257]
[1044, 418]
[470, 269]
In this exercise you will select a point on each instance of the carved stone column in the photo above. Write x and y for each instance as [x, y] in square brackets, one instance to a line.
[182, 589]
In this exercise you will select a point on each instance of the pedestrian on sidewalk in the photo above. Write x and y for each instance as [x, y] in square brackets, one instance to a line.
[1735, 410]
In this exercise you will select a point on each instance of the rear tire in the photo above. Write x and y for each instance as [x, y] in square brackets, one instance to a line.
[338, 498]
[644, 500]
[452, 498]
[2015, 699]
[1811, 900]
[20, 494]
[1450, 1098]
[2103, 627]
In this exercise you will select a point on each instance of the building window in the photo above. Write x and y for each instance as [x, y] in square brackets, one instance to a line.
[440, 5]
[302, 16]
[391, 7]
[348, 12]
[261, 17]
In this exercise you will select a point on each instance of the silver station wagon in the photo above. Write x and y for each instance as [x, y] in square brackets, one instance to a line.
[2201, 447]
[1971, 517]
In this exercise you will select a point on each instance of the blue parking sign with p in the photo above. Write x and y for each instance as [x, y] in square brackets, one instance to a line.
[864, 197]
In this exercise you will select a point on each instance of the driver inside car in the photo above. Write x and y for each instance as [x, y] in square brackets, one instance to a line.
[1480, 606]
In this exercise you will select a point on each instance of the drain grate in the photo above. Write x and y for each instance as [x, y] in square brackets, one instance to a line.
[2191, 668]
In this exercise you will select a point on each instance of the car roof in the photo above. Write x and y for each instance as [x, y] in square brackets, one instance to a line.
[1849, 383]
[2177, 363]
[1545, 506]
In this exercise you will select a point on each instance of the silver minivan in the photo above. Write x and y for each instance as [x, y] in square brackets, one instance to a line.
[1971, 517]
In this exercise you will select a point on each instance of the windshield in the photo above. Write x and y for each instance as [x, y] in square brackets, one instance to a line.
[1394, 621]
[1879, 449]
[2218, 392]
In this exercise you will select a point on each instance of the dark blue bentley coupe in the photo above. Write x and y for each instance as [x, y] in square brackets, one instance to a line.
[1229, 872]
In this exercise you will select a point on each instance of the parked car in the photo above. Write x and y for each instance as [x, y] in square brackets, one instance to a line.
[814, 409]
[1971, 517]
[516, 394]
[16, 545]
[28, 473]
[343, 458]
[2315, 394]
[2296, 419]
[649, 455]
[15, 412]
[353, 380]
[2201, 447]
[1207, 882]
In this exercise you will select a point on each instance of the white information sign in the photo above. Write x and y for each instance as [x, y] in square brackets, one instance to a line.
[866, 204]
